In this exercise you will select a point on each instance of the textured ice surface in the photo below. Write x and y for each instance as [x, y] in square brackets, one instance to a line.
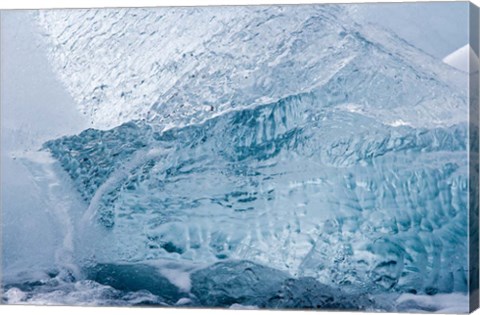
[136, 278]
[245, 283]
[294, 185]
[355, 173]
[143, 64]
[287, 149]
[236, 282]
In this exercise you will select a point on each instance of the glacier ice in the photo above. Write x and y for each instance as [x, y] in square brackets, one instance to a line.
[131, 278]
[306, 292]
[142, 64]
[236, 282]
[285, 149]
[226, 283]
[313, 191]
[245, 283]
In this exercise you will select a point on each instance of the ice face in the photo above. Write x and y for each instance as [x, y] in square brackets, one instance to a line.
[286, 136]
[327, 194]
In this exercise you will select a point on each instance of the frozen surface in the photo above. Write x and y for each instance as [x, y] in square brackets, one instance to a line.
[312, 191]
[247, 157]
[142, 64]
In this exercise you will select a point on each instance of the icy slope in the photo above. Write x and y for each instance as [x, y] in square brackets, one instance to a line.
[144, 64]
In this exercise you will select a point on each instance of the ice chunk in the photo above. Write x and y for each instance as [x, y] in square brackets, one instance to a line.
[135, 277]
[236, 282]
[332, 195]
[308, 293]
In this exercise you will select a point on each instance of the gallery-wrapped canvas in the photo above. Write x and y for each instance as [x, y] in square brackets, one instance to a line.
[314, 156]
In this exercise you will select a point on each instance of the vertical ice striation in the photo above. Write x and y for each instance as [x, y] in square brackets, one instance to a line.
[287, 136]
[327, 194]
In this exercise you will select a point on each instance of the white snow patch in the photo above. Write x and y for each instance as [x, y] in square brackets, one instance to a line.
[352, 108]
[15, 296]
[456, 303]
[183, 301]
[243, 307]
[398, 123]
[177, 273]
[179, 278]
